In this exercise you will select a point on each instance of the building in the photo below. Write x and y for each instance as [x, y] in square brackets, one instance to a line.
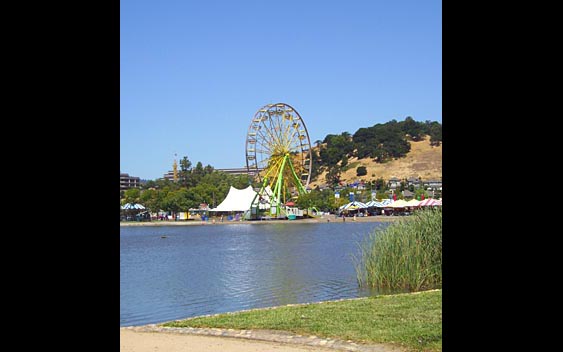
[127, 182]
[238, 171]
[413, 181]
[394, 183]
[169, 176]
[433, 185]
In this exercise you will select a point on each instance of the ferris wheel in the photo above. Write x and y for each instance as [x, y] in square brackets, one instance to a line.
[278, 153]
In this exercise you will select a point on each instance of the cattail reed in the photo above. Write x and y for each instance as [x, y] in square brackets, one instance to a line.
[406, 256]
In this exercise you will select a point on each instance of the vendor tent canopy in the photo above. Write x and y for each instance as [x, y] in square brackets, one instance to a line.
[413, 203]
[384, 203]
[132, 206]
[399, 204]
[352, 206]
[430, 202]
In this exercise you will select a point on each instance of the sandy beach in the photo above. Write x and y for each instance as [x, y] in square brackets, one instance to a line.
[324, 219]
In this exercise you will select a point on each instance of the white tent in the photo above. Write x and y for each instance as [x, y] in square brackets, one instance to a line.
[399, 204]
[413, 203]
[237, 200]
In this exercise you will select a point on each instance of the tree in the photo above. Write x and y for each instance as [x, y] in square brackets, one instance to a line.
[149, 199]
[149, 184]
[132, 195]
[380, 184]
[196, 174]
[316, 168]
[333, 175]
[344, 162]
[419, 192]
[208, 170]
[361, 171]
[403, 185]
[308, 200]
[412, 128]
[435, 134]
[185, 168]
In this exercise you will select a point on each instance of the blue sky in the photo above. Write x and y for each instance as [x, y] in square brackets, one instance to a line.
[194, 73]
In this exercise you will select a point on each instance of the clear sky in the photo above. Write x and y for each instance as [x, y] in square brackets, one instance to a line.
[194, 73]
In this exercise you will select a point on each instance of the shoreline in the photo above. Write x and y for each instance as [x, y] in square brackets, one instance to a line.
[150, 337]
[323, 219]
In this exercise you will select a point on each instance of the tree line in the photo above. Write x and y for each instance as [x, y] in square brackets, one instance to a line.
[196, 185]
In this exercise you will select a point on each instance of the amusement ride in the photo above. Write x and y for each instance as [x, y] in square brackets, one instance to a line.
[278, 153]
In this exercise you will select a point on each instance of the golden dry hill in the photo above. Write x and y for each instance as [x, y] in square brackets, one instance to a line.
[422, 161]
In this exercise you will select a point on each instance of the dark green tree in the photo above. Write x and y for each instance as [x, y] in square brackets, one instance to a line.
[185, 169]
[435, 134]
[333, 175]
[413, 129]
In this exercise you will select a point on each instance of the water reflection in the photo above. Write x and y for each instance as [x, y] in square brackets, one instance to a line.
[199, 270]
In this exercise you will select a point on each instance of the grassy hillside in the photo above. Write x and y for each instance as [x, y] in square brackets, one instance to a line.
[423, 161]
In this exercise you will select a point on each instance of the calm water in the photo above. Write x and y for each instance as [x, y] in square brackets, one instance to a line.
[200, 270]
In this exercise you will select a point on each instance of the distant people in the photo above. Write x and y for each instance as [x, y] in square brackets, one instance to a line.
[221, 218]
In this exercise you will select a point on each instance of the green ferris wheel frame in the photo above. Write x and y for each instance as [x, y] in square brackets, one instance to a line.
[278, 153]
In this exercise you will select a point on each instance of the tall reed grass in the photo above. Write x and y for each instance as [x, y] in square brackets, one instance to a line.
[406, 256]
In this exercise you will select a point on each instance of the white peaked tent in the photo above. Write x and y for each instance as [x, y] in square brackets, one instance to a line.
[241, 199]
[237, 200]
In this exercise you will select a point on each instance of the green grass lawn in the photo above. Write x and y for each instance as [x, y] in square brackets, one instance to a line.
[412, 321]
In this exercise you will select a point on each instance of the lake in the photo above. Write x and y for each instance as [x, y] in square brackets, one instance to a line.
[198, 270]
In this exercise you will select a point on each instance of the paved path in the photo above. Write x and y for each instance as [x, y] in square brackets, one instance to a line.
[157, 338]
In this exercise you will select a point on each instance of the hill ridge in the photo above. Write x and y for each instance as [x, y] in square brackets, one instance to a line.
[422, 161]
